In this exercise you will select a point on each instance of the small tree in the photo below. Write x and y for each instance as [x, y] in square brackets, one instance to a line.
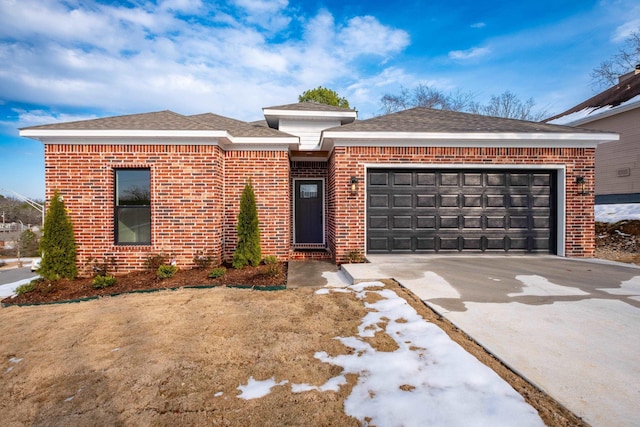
[322, 95]
[248, 249]
[58, 243]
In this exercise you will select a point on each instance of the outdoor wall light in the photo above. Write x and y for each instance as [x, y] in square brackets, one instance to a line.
[353, 185]
[581, 180]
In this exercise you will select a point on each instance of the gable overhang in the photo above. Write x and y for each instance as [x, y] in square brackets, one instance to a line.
[163, 137]
[273, 116]
[333, 139]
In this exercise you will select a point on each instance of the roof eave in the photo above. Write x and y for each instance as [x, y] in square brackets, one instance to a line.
[601, 115]
[488, 139]
[274, 115]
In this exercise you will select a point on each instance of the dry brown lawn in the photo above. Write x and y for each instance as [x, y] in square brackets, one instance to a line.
[178, 357]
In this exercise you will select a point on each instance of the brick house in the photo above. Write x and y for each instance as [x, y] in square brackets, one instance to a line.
[326, 184]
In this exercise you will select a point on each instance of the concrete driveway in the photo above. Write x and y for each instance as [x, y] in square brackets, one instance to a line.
[571, 327]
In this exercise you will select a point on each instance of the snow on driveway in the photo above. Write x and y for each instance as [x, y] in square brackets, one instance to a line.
[427, 380]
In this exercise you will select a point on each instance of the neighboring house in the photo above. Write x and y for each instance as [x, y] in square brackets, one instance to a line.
[419, 180]
[617, 109]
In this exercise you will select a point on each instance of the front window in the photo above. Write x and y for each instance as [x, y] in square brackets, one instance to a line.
[133, 206]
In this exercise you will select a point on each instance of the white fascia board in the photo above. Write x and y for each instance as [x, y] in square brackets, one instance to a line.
[146, 137]
[281, 114]
[443, 139]
[604, 114]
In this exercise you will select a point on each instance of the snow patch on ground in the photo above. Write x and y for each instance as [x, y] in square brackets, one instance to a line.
[336, 279]
[428, 380]
[628, 287]
[255, 389]
[617, 212]
[9, 289]
[540, 286]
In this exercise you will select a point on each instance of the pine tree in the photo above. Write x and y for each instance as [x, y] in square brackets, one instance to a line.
[58, 243]
[248, 249]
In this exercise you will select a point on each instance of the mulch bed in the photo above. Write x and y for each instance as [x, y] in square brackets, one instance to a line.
[47, 291]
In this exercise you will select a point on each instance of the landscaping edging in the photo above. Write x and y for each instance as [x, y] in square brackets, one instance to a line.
[144, 291]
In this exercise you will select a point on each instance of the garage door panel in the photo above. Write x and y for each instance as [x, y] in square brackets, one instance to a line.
[402, 200]
[449, 222]
[449, 201]
[426, 222]
[379, 201]
[402, 243]
[472, 222]
[472, 200]
[425, 200]
[378, 179]
[379, 222]
[402, 179]
[402, 222]
[496, 201]
[460, 210]
[425, 179]
[380, 244]
[450, 179]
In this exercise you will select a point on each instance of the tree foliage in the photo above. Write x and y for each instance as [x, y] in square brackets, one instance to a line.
[28, 244]
[607, 73]
[322, 95]
[16, 210]
[506, 105]
[248, 251]
[58, 243]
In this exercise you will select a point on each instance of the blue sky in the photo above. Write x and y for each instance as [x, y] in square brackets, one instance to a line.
[65, 60]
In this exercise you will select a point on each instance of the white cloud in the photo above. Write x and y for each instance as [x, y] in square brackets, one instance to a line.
[474, 52]
[148, 57]
[37, 117]
[478, 25]
[366, 35]
[624, 31]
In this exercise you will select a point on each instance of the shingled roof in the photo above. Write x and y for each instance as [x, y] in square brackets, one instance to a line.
[622, 93]
[237, 127]
[428, 120]
[160, 120]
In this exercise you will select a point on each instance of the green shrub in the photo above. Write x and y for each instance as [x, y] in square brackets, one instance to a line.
[217, 272]
[355, 256]
[270, 259]
[248, 251]
[100, 282]
[154, 261]
[165, 271]
[58, 243]
[273, 270]
[27, 287]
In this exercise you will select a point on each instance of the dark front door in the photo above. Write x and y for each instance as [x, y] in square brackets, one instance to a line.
[309, 217]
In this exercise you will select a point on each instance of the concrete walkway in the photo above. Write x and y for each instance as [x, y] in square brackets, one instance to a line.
[569, 326]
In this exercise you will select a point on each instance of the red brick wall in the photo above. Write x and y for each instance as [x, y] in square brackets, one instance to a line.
[269, 173]
[194, 204]
[347, 225]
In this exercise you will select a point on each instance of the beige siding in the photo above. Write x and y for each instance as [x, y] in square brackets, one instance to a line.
[619, 157]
